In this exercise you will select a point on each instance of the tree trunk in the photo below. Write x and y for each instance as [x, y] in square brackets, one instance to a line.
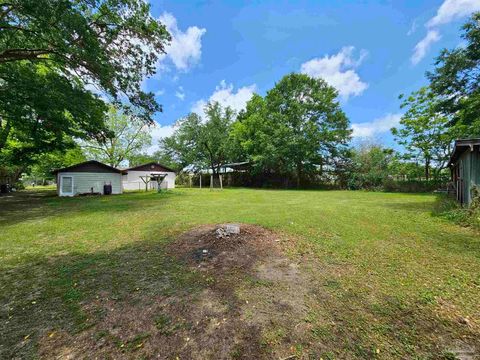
[299, 174]
[212, 178]
[427, 169]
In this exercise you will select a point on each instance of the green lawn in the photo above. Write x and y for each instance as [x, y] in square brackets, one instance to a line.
[386, 278]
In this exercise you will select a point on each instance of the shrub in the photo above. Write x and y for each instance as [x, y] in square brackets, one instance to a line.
[451, 210]
[412, 186]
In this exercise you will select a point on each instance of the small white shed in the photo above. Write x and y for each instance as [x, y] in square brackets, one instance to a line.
[88, 177]
[134, 177]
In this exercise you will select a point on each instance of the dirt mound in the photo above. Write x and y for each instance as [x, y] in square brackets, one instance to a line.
[264, 290]
[202, 248]
[246, 295]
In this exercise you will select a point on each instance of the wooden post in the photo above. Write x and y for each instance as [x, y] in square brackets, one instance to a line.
[146, 180]
[190, 177]
[200, 180]
[221, 182]
[211, 181]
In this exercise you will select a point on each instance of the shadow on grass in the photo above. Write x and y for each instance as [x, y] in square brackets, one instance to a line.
[411, 206]
[30, 205]
[137, 301]
[54, 294]
[131, 302]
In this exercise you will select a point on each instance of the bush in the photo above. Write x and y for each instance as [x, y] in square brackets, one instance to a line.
[413, 186]
[18, 186]
[451, 210]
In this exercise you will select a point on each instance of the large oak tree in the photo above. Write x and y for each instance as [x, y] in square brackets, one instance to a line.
[297, 129]
[56, 57]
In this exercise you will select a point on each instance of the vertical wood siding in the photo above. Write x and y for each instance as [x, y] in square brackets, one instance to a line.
[470, 166]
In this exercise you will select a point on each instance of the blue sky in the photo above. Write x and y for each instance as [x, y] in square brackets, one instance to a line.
[371, 51]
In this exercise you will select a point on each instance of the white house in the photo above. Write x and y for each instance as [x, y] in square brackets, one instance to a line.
[89, 177]
[134, 178]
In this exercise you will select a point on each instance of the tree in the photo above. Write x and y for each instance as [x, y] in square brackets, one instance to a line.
[113, 44]
[252, 136]
[127, 137]
[370, 166]
[424, 132]
[296, 129]
[202, 143]
[456, 79]
[37, 114]
[405, 169]
[45, 164]
[53, 52]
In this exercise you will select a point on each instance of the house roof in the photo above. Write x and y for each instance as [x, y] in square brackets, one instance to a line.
[148, 167]
[89, 166]
[461, 145]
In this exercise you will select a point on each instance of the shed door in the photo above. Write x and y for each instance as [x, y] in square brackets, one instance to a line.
[66, 185]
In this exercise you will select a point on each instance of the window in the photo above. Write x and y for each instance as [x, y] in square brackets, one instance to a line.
[66, 185]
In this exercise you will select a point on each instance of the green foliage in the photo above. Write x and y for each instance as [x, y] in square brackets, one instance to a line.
[370, 167]
[201, 143]
[37, 114]
[405, 169]
[51, 50]
[455, 79]
[111, 43]
[297, 129]
[412, 186]
[126, 137]
[450, 209]
[44, 164]
[423, 131]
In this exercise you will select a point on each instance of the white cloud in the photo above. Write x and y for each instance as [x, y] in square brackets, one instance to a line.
[180, 93]
[447, 12]
[185, 49]
[413, 28]
[424, 45]
[338, 71]
[158, 132]
[453, 9]
[225, 95]
[376, 126]
[160, 92]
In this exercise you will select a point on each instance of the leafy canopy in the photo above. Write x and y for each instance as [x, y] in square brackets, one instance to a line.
[127, 137]
[54, 53]
[202, 142]
[424, 132]
[456, 78]
[297, 128]
[112, 44]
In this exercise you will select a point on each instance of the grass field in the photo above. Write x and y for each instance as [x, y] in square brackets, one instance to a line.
[378, 276]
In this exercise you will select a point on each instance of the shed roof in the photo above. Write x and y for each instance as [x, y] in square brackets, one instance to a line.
[90, 166]
[461, 145]
[151, 166]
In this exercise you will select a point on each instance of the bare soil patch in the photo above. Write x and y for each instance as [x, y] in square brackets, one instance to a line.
[249, 306]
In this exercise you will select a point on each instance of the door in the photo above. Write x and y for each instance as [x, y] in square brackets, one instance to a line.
[66, 185]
